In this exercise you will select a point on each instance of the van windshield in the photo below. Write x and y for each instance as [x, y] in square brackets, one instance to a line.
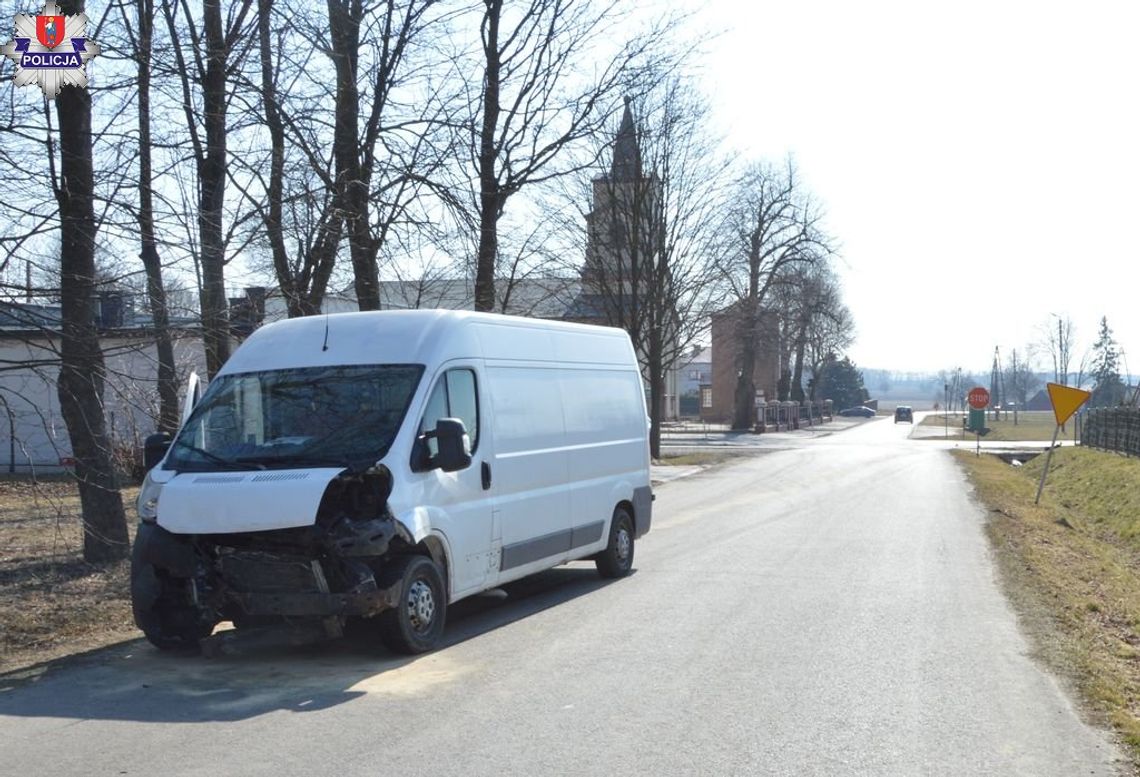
[341, 416]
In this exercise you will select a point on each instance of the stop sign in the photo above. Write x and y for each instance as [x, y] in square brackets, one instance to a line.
[978, 398]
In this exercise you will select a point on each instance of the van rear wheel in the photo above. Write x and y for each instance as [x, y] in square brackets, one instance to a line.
[617, 559]
[415, 625]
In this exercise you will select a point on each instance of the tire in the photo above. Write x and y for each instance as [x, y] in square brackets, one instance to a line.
[415, 626]
[617, 559]
[163, 612]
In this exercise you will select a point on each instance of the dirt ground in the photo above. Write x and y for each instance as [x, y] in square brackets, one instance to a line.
[52, 603]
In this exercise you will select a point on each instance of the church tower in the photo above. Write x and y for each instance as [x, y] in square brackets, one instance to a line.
[620, 229]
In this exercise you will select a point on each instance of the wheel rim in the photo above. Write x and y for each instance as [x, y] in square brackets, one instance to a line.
[624, 544]
[421, 605]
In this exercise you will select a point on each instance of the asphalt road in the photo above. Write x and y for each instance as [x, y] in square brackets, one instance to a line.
[830, 609]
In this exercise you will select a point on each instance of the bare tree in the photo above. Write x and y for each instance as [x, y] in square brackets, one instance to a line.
[1057, 343]
[771, 227]
[81, 375]
[298, 206]
[1020, 380]
[827, 326]
[546, 87]
[402, 162]
[216, 45]
[140, 39]
[813, 321]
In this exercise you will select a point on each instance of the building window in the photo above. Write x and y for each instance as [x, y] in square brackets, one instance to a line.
[706, 398]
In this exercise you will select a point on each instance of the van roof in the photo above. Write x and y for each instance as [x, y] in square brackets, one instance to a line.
[424, 337]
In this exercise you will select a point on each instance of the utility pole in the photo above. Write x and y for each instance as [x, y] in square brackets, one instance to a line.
[995, 386]
[1018, 385]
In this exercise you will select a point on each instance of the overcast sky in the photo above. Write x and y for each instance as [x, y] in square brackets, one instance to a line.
[979, 162]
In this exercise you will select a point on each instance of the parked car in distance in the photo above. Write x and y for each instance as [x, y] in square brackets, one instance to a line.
[858, 412]
[904, 413]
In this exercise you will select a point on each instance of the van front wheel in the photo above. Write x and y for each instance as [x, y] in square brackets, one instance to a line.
[415, 625]
[617, 559]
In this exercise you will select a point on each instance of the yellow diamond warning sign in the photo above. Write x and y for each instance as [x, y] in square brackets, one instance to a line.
[1066, 400]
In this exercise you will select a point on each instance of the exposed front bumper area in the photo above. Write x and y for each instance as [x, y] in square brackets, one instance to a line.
[264, 576]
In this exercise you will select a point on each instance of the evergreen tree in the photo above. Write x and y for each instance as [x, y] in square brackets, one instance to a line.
[1109, 388]
[842, 382]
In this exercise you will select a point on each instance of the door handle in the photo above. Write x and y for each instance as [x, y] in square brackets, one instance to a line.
[486, 470]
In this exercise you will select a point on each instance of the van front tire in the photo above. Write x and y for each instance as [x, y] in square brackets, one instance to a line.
[164, 618]
[617, 559]
[416, 624]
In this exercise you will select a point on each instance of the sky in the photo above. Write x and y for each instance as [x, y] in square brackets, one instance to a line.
[979, 163]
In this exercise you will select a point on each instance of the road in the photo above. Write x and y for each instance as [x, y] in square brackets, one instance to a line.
[827, 609]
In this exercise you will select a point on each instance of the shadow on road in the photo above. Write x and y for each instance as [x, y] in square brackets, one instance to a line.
[133, 681]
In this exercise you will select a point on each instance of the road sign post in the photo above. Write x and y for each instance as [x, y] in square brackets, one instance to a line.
[1066, 401]
[979, 400]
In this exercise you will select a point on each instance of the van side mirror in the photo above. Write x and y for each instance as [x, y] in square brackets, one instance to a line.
[154, 448]
[454, 445]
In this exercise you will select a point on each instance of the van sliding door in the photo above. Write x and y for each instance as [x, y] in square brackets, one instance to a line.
[530, 467]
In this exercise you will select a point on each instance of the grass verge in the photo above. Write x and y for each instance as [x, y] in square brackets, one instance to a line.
[52, 603]
[698, 458]
[1032, 425]
[1071, 566]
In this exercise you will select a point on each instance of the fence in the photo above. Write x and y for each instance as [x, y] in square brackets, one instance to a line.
[1112, 429]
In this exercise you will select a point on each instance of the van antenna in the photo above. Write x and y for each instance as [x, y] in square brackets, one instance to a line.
[325, 347]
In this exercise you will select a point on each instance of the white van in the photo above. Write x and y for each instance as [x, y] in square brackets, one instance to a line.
[387, 464]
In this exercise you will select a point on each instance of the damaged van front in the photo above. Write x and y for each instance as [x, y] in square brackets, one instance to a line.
[270, 510]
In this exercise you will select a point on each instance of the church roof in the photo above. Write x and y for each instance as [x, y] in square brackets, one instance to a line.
[627, 153]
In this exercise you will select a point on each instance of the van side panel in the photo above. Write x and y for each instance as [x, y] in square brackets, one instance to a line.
[530, 463]
[606, 441]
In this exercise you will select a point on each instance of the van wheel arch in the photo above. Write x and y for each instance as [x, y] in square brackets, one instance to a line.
[628, 507]
[434, 547]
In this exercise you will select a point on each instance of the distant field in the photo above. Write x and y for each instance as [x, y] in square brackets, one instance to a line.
[1037, 425]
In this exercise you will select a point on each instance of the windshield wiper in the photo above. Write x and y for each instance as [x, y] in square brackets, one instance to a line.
[215, 458]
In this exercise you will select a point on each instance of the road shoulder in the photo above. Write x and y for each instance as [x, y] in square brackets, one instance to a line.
[1072, 579]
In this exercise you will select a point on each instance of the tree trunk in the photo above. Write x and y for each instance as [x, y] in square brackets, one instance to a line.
[212, 188]
[168, 410]
[352, 187]
[744, 411]
[490, 202]
[797, 388]
[656, 394]
[286, 281]
[81, 369]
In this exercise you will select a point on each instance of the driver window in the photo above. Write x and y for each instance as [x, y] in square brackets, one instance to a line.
[454, 396]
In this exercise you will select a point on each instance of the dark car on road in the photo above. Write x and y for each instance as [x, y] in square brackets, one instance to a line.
[904, 413]
[859, 412]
